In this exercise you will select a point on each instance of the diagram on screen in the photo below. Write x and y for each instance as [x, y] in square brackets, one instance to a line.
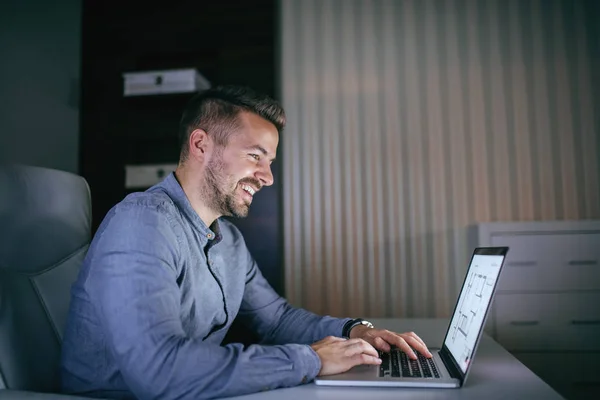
[471, 309]
[479, 288]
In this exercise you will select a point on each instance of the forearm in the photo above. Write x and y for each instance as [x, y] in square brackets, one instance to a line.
[280, 323]
[182, 368]
[297, 325]
[276, 321]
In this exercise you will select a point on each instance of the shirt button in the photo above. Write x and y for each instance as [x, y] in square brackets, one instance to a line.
[210, 236]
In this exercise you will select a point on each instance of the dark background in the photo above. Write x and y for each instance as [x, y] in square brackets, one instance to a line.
[228, 42]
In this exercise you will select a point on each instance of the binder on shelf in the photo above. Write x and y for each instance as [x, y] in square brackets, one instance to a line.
[146, 175]
[163, 82]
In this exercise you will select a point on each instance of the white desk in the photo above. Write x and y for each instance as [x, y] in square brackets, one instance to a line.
[495, 374]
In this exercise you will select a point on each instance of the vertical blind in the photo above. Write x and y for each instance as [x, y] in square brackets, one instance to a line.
[410, 121]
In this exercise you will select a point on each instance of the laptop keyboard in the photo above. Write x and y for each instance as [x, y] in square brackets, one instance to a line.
[396, 364]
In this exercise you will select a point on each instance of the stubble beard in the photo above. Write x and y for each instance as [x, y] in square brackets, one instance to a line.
[215, 193]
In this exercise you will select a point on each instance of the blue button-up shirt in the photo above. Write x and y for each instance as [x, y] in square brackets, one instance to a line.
[155, 297]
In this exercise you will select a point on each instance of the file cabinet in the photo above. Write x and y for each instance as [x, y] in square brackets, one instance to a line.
[547, 308]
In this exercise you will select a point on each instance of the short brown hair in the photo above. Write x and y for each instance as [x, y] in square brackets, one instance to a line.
[216, 112]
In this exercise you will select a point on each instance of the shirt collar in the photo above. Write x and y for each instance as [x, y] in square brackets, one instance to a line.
[171, 185]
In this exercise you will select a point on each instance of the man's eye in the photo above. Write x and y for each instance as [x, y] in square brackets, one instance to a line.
[255, 156]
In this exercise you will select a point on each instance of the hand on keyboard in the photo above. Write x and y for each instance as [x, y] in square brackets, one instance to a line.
[383, 339]
[339, 355]
[396, 364]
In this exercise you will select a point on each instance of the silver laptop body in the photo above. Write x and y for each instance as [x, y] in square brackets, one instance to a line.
[450, 365]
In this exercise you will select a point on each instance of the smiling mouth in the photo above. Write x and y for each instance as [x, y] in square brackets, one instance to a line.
[248, 189]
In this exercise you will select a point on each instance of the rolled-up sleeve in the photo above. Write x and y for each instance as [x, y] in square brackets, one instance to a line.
[133, 281]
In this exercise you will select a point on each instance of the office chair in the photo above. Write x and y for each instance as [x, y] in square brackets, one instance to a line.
[45, 231]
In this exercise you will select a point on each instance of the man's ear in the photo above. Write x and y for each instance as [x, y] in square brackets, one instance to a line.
[200, 145]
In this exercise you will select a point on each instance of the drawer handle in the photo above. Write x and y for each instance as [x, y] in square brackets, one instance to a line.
[583, 262]
[524, 323]
[585, 322]
[522, 264]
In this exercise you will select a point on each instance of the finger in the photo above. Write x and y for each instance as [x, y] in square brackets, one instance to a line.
[354, 341]
[412, 341]
[381, 344]
[423, 348]
[400, 342]
[333, 339]
[360, 346]
[355, 346]
[362, 359]
[414, 335]
[416, 345]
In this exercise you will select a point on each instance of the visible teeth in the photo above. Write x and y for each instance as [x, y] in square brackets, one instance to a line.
[248, 189]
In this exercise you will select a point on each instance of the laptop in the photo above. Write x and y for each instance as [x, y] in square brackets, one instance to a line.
[449, 366]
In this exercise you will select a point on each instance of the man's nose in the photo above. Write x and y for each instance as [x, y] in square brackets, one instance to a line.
[265, 176]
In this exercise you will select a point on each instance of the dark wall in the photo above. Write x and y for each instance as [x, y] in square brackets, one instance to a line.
[39, 82]
[229, 42]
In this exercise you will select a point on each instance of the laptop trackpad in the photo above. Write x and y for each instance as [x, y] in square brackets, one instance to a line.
[363, 370]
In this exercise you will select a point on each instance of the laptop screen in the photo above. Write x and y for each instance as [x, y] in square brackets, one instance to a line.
[470, 311]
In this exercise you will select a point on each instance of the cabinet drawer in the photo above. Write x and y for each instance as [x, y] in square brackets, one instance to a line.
[548, 322]
[550, 262]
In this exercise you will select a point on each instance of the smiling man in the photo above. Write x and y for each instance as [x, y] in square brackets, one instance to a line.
[165, 276]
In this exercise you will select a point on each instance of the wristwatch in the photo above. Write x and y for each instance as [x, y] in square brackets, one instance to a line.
[352, 323]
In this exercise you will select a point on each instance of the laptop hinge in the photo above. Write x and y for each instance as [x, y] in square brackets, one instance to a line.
[450, 366]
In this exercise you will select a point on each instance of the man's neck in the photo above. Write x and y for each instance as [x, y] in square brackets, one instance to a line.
[190, 181]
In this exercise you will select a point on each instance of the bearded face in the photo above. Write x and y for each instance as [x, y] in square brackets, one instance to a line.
[236, 170]
[225, 193]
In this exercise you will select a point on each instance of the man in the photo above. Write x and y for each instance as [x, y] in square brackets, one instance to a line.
[165, 276]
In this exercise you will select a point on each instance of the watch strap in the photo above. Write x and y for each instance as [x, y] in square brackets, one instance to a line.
[352, 323]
